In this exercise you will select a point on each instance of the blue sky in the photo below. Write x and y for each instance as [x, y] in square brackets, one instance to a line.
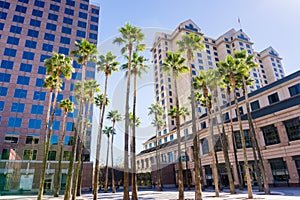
[267, 22]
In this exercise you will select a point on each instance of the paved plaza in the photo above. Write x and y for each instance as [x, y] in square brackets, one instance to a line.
[172, 194]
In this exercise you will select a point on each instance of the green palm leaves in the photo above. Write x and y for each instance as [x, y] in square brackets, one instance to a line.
[174, 63]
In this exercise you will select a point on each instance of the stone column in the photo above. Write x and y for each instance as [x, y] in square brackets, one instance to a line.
[284, 140]
[293, 174]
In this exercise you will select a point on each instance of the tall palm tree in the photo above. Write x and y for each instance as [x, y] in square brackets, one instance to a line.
[214, 83]
[114, 116]
[85, 52]
[90, 88]
[131, 37]
[231, 76]
[68, 107]
[157, 122]
[246, 65]
[138, 67]
[58, 65]
[189, 44]
[201, 82]
[106, 64]
[174, 64]
[108, 131]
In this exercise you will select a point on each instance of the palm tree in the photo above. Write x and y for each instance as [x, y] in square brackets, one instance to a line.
[214, 83]
[246, 65]
[90, 88]
[58, 65]
[114, 116]
[106, 64]
[157, 122]
[67, 106]
[201, 82]
[231, 76]
[189, 44]
[175, 63]
[138, 66]
[131, 37]
[107, 131]
[85, 52]
[228, 92]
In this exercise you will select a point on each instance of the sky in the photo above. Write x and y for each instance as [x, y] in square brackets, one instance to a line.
[267, 22]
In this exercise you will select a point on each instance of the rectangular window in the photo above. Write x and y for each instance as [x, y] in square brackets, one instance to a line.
[35, 123]
[270, 135]
[20, 93]
[14, 122]
[5, 77]
[279, 170]
[40, 96]
[4, 4]
[238, 140]
[3, 15]
[10, 52]
[5, 154]
[81, 24]
[23, 80]
[32, 139]
[37, 13]
[52, 17]
[42, 70]
[18, 19]
[294, 90]
[3, 91]
[56, 125]
[34, 22]
[7, 64]
[47, 47]
[67, 20]
[63, 50]
[84, 6]
[65, 40]
[95, 11]
[17, 107]
[94, 27]
[54, 140]
[43, 57]
[66, 30]
[38, 3]
[70, 3]
[94, 19]
[1, 26]
[28, 55]
[255, 105]
[37, 109]
[51, 27]
[68, 141]
[93, 36]
[15, 29]
[66, 155]
[292, 128]
[33, 33]
[39, 82]
[11, 137]
[29, 154]
[2, 103]
[52, 155]
[49, 36]
[54, 7]
[69, 11]
[80, 33]
[12, 40]
[273, 98]
[82, 15]
[30, 44]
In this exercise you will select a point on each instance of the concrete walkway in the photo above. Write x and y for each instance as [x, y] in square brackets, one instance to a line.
[172, 194]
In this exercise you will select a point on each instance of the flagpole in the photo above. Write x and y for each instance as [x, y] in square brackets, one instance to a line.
[239, 21]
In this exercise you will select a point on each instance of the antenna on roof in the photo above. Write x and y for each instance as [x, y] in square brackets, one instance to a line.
[239, 21]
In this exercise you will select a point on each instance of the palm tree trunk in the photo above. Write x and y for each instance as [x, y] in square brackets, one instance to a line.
[80, 149]
[46, 149]
[133, 159]
[58, 174]
[159, 186]
[126, 136]
[236, 162]
[186, 166]
[198, 190]
[106, 166]
[214, 166]
[254, 140]
[224, 143]
[112, 161]
[99, 138]
[179, 170]
[246, 167]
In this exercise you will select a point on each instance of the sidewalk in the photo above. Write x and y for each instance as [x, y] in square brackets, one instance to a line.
[172, 194]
